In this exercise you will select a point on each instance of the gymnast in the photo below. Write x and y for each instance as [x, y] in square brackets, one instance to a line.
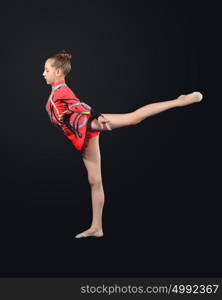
[82, 125]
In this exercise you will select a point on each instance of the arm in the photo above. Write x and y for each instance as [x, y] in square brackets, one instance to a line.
[70, 103]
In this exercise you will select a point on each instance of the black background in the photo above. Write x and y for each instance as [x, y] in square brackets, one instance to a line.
[162, 212]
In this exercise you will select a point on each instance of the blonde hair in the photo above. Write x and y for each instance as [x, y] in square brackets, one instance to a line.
[62, 60]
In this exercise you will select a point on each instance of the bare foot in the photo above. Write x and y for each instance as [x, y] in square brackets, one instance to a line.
[90, 232]
[184, 100]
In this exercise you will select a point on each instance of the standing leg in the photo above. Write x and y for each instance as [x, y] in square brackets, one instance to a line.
[92, 160]
[135, 117]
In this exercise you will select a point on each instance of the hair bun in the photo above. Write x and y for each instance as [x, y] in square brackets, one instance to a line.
[64, 54]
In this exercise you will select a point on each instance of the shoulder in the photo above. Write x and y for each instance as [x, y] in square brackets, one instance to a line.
[65, 92]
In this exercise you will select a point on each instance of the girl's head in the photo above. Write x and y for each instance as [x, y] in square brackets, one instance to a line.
[57, 67]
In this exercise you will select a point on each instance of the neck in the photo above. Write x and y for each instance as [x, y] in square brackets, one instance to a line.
[58, 82]
[58, 85]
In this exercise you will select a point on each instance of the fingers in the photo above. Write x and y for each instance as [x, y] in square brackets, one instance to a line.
[101, 125]
[108, 125]
[103, 121]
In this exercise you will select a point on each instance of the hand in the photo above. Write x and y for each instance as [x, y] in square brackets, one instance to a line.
[103, 121]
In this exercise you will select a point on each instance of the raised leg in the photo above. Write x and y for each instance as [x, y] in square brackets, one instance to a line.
[92, 160]
[135, 117]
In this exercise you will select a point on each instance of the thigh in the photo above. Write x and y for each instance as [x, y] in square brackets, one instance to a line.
[116, 121]
[92, 159]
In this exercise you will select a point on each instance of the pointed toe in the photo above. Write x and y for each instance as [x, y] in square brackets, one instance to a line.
[198, 95]
[80, 235]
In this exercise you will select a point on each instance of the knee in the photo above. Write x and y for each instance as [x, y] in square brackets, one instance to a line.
[135, 122]
[134, 119]
[95, 181]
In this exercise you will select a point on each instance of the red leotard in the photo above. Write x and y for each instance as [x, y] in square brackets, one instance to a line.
[63, 102]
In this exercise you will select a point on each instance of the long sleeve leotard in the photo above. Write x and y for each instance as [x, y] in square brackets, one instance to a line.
[67, 112]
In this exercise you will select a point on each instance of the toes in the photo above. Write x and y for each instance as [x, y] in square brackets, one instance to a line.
[80, 235]
[198, 95]
[89, 233]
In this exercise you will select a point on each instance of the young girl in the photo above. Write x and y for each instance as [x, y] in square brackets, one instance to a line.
[82, 125]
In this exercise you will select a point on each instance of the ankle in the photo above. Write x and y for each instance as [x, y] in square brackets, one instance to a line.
[96, 228]
[177, 102]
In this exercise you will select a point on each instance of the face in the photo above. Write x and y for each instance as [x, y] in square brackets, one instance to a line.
[51, 74]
